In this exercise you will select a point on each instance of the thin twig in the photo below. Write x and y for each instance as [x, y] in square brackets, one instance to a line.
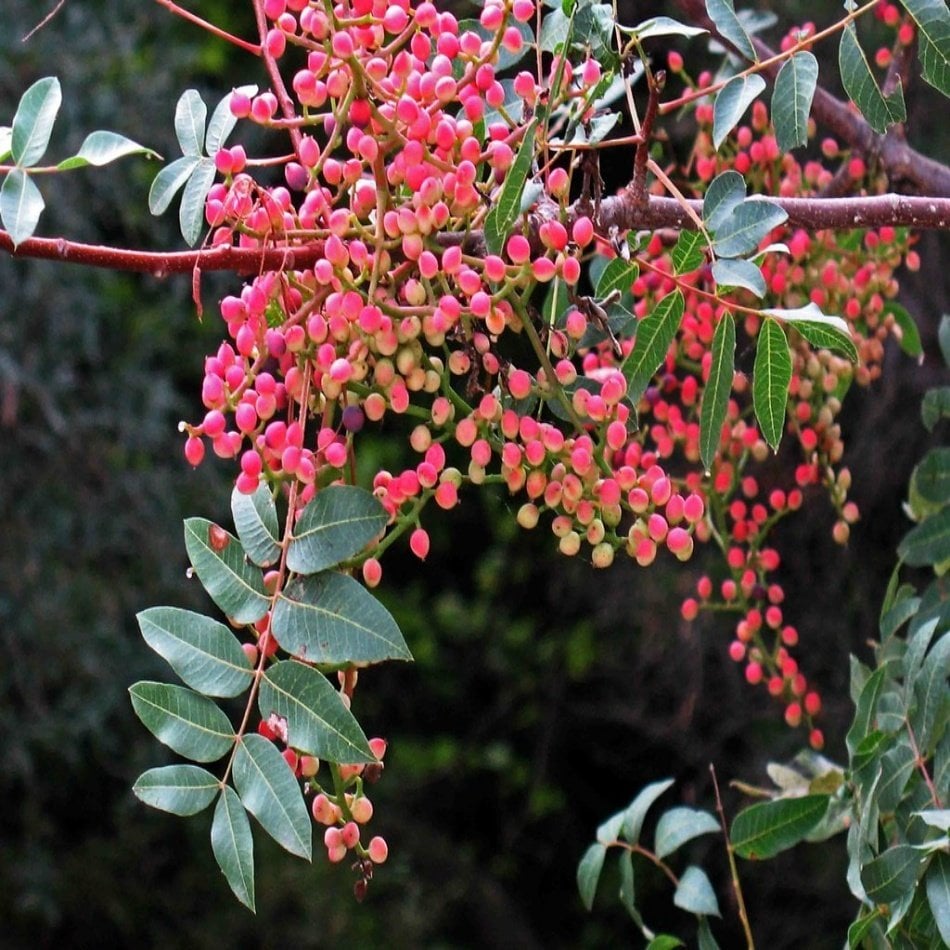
[49, 16]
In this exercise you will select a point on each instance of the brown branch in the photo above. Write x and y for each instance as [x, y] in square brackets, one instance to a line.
[251, 48]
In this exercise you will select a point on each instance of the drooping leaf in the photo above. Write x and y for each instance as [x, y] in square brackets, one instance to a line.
[627, 890]
[21, 205]
[191, 214]
[859, 83]
[330, 618]
[504, 214]
[33, 121]
[588, 873]
[938, 893]
[731, 102]
[791, 100]
[704, 936]
[234, 585]
[101, 148]
[718, 387]
[339, 522]
[169, 181]
[679, 825]
[723, 14]
[763, 830]
[638, 808]
[318, 722]
[866, 703]
[655, 333]
[271, 794]
[888, 877]
[179, 789]
[933, 476]
[187, 722]
[662, 26]
[203, 652]
[688, 252]
[739, 273]
[255, 519]
[811, 315]
[928, 543]
[190, 116]
[223, 121]
[744, 229]
[724, 194]
[772, 373]
[933, 26]
[233, 845]
[826, 336]
[909, 334]
[695, 893]
[933, 697]
[617, 275]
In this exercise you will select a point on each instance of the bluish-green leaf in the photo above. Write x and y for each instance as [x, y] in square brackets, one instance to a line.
[627, 890]
[679, 825]
[718, 387]
[695, 894]
[745, 228]
[723, 14]
[896, 768]
[655, 333]
[101, 148]
[688, 252]
[271, 794]
[190, 116]
[507, 207]
[935, 406]
[187, 722]
[772, 374]
[763, 830]
[234, 585]
[339, 522]
[662, 26]
[33, 122]
[704, 936]
[169, 181]
[179, 789]
[617, 275]
[555, 31]
[938, 893]
[233, 845]
[21, 205]
[928, 543]
[203, 652]
[859, 83]
[330, 618]
[791, 100]
[223, 121]
[637, 809]
[731, 102]
[588, 873]
[255, 519]
[609, 831]
[933, 476]
[933, 31]
[739, 273]
[891, 875]
[724, 194]
[191, 214]
[936, 818]
[318, 722]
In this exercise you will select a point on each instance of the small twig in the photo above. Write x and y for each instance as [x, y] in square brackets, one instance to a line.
[210, 27]
[638, 187]
[49, 16]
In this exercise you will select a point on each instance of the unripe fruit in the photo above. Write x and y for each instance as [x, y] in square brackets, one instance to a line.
[378, 850]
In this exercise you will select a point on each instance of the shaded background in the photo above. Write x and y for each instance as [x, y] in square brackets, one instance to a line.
[543, 696]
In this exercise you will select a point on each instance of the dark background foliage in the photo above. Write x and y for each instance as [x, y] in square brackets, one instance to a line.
[544, 694]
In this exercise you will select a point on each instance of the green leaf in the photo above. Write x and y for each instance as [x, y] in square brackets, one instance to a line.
[695, 894]
[339, 522]
[507, 208]
[203, 652]
[928, 543]
[866, 703]
[704, 936]
[21, 205]
[271, 794]
[655, 333]
[318, 722]
[933, 25]
[862, 927]
[933, 476]
[185, 721]
[609, 831]
[932, 695]
[223, 121]
[255, 519]
[739, 273]
[743, 230]
[33, 122]
[234, 585]
[688, 252]
[938, 893]
[731, 102]
[718, 387]
[191, 214]
[791, 100]
[723, 15]
[190, 116]
[233, 845]
[859, 83]
[665, 942]
[330, 618]
[179, 789]
[812, 321]
[662, 26]
[101, 148]
[617, 275]
[935, 406]
[169, 181]
[555, 31]
[637, 809]
[679, 825]
[772, 374]
[627, 891]
[891, 875]
[896, 768]
[724, 194]
[898, 615]
[909, 334]
[763, 830]
[588, 873]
